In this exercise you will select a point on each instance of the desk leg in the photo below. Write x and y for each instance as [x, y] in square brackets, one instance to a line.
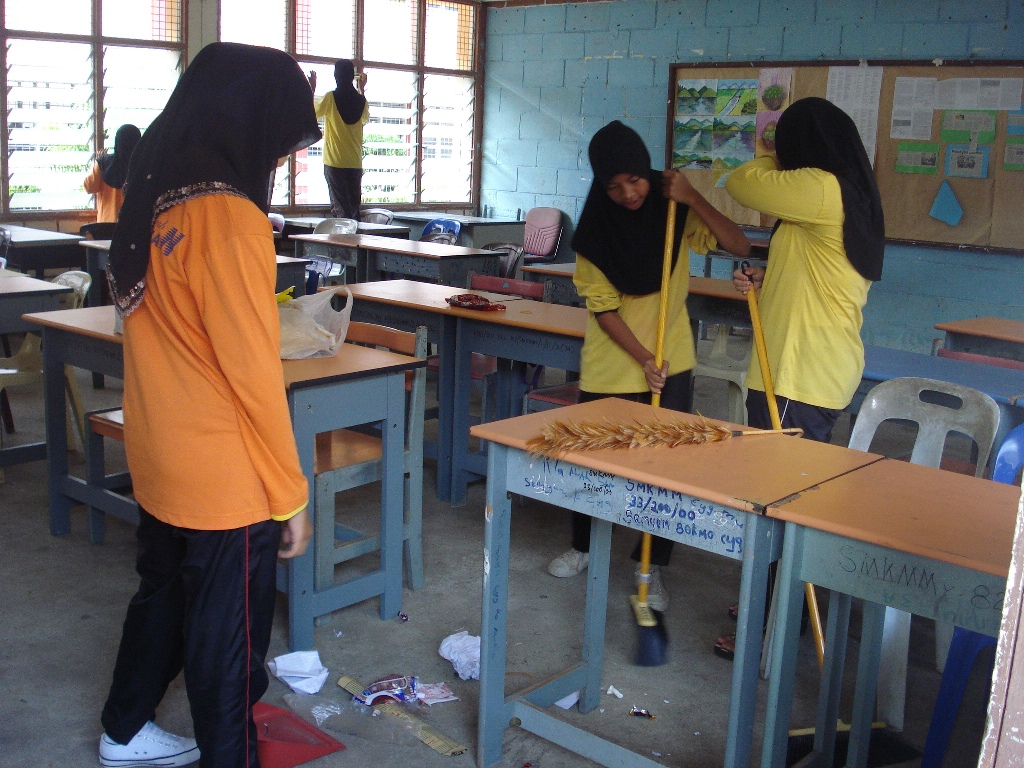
[493, 716]
[867, 683]
[757, 542]
[596, 613]
[301, 569]
[460, 416]
[368, 261]
[446, 396]
[832, 676]
[56, 430]
[392, 497]
[784, 650]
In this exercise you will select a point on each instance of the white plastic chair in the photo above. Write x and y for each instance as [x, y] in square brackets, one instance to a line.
[331, 227]
[719, 364]
[938, 408]
[377, 216]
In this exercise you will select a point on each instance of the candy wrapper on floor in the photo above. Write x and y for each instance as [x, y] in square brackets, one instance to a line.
[311, 327]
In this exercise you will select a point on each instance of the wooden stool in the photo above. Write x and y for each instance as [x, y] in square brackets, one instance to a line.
[106, 424]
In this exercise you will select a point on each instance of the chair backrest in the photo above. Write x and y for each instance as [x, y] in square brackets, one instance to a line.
[446, 238]
[510, 261]
[938, 408]
[336, 227]
[974, 357]
[1010, 457]
[79, 282]
[542, 232]
[276, 221]
[525, 288]
[97, 230]
[448, 226]
[377, 216]
[404, 343]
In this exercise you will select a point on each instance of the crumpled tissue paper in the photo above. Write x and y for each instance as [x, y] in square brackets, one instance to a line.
[302, 671]
[463, 651]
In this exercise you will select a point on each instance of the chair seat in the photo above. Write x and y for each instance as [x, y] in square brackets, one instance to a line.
[345, 448]
[559, 395]
[108, 423]
[481, 366]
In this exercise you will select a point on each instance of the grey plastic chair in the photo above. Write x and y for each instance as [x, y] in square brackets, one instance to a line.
[510, 261]
[938, 408]
[377, 216]
[336, 273]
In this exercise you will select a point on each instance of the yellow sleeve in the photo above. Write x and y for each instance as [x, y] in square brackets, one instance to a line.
[802, 196]
[697, 234]
[594, 287]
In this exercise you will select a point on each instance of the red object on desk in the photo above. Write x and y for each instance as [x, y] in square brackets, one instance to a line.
[286, 740]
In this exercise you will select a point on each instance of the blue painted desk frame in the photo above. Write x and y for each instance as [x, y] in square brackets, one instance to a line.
[738, 534]
[881, 576]
[37, 250]
[318, 404]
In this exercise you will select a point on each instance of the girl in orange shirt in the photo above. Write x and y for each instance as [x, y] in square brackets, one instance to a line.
[109, 172]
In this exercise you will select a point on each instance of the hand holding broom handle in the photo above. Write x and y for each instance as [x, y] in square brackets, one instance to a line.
[773, 413]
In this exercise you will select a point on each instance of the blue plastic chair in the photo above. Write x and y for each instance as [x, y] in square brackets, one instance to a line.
[441, 226]
[967, 644]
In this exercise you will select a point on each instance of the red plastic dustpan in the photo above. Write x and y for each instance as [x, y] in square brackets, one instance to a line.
[286, 740]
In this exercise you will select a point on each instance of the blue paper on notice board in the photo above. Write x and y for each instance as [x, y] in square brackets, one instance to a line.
[946, 207]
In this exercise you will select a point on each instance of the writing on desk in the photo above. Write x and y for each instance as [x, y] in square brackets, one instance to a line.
[885, 569]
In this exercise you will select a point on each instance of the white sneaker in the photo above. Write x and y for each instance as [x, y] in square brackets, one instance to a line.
[151, 746]
[657, 596]
[569, 564]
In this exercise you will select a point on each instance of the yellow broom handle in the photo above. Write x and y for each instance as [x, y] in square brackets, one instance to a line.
[773, 413]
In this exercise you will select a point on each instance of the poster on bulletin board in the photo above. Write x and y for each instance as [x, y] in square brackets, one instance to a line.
[946, 139]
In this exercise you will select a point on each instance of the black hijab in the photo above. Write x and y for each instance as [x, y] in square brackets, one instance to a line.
[234, 112]
[627, 246]
[349, 102]
[815, 133]
[114, 166]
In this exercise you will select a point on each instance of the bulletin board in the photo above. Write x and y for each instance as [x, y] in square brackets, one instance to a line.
[719, 115]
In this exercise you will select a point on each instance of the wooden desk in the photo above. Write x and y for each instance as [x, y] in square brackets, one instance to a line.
[357, 386]
[36, 250]
[563, 289]
[309, 223]
[407, 304]
[995, 336]
[526, 333]
[371, 256]
[934, 543]
[290, 271]
[709, 497]
[476, 232]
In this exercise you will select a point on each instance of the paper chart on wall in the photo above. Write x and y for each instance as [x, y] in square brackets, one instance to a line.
[913, 105]
[1000, 93]
[856, 90]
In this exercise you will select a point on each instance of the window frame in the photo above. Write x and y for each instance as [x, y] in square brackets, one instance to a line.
[97, 41]
[419, 70]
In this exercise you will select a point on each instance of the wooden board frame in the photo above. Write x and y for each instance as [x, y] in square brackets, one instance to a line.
[991, 220]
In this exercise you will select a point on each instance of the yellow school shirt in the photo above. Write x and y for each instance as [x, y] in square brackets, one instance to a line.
[207, 429]
[607, 368]
[343, 143]
[812, 300]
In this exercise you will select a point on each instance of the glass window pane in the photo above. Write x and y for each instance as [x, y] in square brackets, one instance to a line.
[326, 28]
[389, 31]
[49, 123]
[389, 139]
[449, 35]
[282, 180]
[447, 139]
[153, 20]
[136, 85]
[310, 184]
[256, 22]
[68, 16]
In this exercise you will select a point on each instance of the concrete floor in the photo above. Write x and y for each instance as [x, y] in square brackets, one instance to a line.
[63, 602]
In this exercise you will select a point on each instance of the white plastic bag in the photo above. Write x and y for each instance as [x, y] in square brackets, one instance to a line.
[310, 326]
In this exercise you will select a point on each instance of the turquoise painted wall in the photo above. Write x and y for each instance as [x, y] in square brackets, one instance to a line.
[557, 73]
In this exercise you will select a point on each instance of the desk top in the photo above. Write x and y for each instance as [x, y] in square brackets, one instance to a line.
[1004, 385]
[420, 248]
[942, 515]
[563, 269]
[27, 237]
[431, 215]
[351, 361]
[23, 285]
[104, 245]
[713, 286]
[518, 312]
[745, 473]
[364, 227]
[991, 327]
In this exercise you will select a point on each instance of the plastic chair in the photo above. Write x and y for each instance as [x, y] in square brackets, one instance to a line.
[720, 365]
[377, 216]
[347, 459]
[337, 269]
[938, 408]
[276, 222]
[26, 365]
[510, 261]
[441, 226]
[97, 230]
[541, 235]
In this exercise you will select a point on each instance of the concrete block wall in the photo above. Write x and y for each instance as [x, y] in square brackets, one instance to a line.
[556, 72]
